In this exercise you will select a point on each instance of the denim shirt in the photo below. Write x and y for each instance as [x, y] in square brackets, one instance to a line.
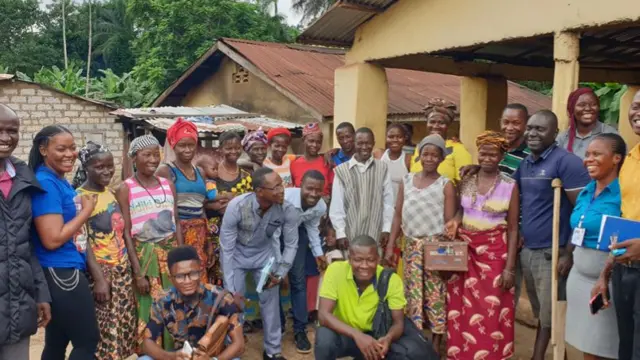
[246, 236]
[309, 218]
[606, 203]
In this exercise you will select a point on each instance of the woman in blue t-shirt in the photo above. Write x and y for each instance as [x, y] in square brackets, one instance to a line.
[61, 247]
[595, 335]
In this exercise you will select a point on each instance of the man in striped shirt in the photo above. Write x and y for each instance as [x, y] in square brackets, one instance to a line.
[513, 123]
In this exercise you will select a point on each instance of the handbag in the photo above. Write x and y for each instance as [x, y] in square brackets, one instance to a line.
[212, 343]
[446, 255]
[412, 345]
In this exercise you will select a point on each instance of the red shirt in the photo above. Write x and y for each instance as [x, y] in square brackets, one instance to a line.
[6, 178]
[300, 166]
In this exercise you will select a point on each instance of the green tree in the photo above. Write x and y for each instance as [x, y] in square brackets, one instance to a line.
[113, 36]
[174, 33]
[311, 9]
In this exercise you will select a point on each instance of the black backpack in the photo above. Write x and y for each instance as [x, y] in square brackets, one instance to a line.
[412, 345]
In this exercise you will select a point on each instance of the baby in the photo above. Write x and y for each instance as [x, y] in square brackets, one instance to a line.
[208, 166]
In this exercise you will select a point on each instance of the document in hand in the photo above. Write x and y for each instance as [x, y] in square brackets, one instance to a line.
[616, 229]
[264, 274]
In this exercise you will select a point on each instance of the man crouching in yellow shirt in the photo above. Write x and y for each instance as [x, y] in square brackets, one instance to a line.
[348, 303]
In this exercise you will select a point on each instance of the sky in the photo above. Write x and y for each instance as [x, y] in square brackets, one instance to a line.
[284, 7]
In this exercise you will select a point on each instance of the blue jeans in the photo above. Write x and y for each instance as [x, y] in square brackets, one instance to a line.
[298, 285]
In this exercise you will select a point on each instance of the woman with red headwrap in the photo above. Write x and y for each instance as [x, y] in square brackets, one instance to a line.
[583, 108]
[278, 160]
[190, 185]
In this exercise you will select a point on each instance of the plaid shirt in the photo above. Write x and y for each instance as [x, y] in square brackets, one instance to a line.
[188, 321]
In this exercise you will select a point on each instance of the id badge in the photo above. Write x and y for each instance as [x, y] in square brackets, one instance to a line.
[578, 236]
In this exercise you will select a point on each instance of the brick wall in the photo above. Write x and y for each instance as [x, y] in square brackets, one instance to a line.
[38, 107]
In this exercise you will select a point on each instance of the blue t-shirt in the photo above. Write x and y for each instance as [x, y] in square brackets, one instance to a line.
[607, 203]
[340, 157]
[56, 199]
[534, 179]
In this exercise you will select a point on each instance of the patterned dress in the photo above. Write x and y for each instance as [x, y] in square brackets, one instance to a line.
[117, 317]
[423, 221]
[481, 314]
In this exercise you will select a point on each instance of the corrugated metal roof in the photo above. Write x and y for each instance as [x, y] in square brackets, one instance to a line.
[210, 119]
[308, 73]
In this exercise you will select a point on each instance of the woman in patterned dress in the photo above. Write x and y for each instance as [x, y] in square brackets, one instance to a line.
[425, 202]
[480, 301]
[105, 232]
[152, 227]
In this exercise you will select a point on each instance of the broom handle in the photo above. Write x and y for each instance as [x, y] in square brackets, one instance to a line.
[555, 248]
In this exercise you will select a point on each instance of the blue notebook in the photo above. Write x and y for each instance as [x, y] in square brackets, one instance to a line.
[616, 227]
[264, 274]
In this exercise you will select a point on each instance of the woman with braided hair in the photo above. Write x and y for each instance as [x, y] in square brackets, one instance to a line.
[481, 299]
[440, 115]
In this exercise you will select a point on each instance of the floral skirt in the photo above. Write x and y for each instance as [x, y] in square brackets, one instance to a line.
[153, 265]
[117, 317]
[194, 233]
[425, 291]
[214, 270]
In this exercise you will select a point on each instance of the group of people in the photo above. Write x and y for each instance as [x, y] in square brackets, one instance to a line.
[145, 268]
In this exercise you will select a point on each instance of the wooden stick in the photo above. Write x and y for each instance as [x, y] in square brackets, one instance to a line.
[558, 308]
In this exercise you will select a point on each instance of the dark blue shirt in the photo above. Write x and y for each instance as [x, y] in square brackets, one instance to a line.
[340, 157]
[57, 198]
[606, 203]
[534, 178]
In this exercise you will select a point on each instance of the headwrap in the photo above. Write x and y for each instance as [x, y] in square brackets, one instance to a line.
[571, 106]
[252, 138]
[277, 131]
[434, 139]
[142, 142]
[311, 128]
[181, 129]
[441, 106]
[86, 153]
[493, 138]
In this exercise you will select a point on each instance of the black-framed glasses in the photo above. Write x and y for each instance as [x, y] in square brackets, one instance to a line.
[277, 187]
[193, 275]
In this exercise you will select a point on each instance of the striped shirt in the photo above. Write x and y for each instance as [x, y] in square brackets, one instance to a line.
[512, 159]
[152, 216]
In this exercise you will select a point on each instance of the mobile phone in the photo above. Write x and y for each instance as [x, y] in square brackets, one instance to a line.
[618, 252]
[596, 304]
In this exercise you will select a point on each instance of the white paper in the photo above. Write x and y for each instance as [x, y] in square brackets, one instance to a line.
[187, 349]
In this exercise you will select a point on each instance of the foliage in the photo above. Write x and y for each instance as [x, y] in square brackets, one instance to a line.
[311, 9]
[174, 33]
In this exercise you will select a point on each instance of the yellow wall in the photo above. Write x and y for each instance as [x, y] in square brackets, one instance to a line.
[253, 96]
[402, 29]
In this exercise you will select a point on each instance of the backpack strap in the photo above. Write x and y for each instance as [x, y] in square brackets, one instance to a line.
[216, 306]
[383, 283]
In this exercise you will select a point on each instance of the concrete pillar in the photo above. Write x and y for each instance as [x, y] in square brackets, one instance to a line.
[482, 101]
[624, 128]
[566, 50]
[361, 96]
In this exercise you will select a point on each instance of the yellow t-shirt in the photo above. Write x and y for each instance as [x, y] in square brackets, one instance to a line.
[351, 308]
[629, 190]
[450, 167]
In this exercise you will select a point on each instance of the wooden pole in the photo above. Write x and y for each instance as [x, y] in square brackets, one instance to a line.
[558, 308]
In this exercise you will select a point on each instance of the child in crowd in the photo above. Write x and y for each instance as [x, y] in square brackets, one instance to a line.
[332, 254]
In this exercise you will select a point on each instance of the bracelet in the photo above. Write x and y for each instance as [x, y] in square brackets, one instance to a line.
[509, 272]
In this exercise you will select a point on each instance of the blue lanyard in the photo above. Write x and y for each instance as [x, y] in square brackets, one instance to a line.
[586, 210]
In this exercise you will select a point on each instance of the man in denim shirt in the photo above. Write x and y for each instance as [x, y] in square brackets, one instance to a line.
[247, 243]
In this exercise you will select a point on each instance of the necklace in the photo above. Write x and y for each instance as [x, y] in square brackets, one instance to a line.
[230, 172]
[164, 194]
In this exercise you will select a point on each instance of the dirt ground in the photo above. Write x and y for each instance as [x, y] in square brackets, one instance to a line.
[523, 344]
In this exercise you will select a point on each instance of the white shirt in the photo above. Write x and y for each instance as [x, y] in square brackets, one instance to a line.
[337, 212]
[310, 218]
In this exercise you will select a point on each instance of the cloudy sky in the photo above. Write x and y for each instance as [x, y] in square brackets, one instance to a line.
[284, 7]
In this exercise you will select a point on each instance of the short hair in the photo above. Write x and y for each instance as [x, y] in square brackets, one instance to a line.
[313, 174]
[518, 106]
[402, 128]
[258, 177]
[228, 136]
[618, 146]
[345, 125]
[365, 130]
[363, 240]
[182, 253]
[548, 115]
[408, 127]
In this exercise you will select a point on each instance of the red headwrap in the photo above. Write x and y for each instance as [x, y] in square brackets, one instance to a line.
[311, 128]
[277, 131]
[181, 129]
[571, 106]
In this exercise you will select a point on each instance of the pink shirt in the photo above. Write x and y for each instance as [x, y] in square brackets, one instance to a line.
[6, 178]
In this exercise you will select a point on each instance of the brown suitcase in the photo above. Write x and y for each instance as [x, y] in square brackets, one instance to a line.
[446, 256]
[212, 343]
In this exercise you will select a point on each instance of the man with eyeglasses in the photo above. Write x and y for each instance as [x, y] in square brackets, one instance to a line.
[183, 312]
[247, 241]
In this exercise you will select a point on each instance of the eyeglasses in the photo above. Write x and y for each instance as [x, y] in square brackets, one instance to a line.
[277, 187]
[194, 275]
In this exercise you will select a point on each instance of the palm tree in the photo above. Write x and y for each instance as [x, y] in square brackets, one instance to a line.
[311, 9]
[86, 89]
[113, 34]
[64, 34]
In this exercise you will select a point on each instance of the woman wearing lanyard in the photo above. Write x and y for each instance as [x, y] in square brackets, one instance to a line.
[595, 335]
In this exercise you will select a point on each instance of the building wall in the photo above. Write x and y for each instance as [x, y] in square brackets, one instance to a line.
[254, 95]
[38, 107]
